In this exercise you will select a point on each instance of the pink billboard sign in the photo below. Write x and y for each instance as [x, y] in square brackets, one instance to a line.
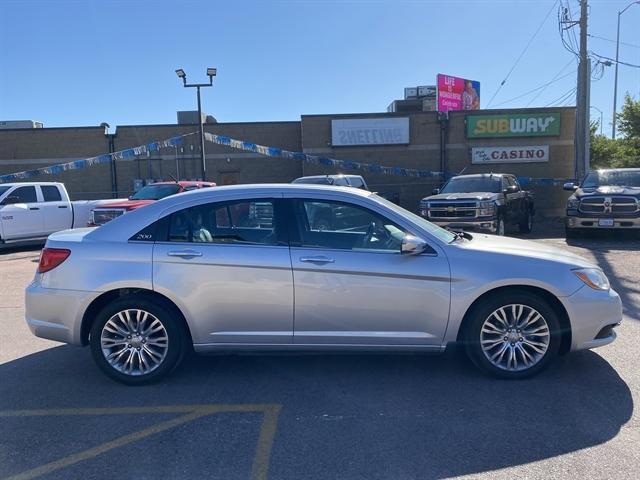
[455, 93]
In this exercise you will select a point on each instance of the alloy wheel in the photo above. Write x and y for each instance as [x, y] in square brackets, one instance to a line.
[134, 342]
[515, 337]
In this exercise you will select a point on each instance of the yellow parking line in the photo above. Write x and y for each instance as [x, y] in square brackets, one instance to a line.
[260, 467]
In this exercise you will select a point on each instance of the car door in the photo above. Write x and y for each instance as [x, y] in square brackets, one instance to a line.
[353, 286]
[516, 200]
[57, 214]
[228, 264]
[23, 219]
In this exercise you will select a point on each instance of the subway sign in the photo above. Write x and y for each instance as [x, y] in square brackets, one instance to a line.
[515, 125]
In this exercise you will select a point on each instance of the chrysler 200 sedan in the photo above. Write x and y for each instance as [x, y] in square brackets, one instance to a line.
[247, 268]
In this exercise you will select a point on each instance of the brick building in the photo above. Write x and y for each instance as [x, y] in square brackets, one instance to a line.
[419, 140]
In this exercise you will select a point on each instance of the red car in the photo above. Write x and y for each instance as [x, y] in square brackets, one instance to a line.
[144, 196]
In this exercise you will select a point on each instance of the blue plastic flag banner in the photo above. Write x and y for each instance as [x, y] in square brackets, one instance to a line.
[132, 153]
[316, 160]
[128, 154]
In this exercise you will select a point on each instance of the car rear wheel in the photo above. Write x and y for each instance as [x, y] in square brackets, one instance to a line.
[136, 340]
[512, 335]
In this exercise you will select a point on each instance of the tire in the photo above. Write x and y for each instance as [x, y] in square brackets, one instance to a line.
[572, 233]
[500, 226]
[485, 333]
[527, 224]
[140, 361]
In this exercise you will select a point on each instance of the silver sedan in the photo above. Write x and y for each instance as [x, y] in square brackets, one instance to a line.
[301, 267]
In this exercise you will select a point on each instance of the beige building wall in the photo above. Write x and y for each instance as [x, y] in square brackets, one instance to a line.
[32, 148]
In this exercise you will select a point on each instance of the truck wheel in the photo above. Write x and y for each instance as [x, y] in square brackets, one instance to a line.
[572, 233]
[136, 340]
[512, 335]
[527, 224]
[500, 228]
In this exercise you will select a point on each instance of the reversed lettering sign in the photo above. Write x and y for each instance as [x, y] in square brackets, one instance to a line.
[370, 131]
[519, 154]
[516, 125]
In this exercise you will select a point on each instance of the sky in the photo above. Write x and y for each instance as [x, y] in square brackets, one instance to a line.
[80, 63]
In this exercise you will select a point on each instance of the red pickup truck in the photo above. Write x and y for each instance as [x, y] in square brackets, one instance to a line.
[144, 196]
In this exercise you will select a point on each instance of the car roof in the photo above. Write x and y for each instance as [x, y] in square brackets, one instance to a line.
[183, 183]
[22, 184]
[606, 170]
[330, 176]
[483, 175]
[131, 222]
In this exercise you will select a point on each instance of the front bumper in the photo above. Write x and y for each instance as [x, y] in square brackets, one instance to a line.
[488, 225]
[575, 221]
[593, 314]
[56, 314]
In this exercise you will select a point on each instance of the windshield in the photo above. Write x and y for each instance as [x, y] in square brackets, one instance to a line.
[472, 184]
[436, 231]
[4, 189]
[155, 192]
[315, 180]
[618, 178]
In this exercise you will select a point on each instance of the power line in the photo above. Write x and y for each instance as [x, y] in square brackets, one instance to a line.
[523, 52]
[613, 41]
[553, 79]
[562, 97]
[613, 60]
[541, 87]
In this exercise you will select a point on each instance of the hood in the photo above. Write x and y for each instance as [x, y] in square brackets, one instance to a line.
[525, 248]
[126, 204]
[463, 196]
[608, 190]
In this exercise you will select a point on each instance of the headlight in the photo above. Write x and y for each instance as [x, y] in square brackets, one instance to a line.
[573, 203]
[487, 208]
[594, 277]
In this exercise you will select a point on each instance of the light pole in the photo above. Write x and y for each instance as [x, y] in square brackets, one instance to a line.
[615, 85]
[596, 108]
[211, 72]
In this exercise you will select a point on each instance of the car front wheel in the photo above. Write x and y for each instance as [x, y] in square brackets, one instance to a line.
[512, 335]
[136, 340]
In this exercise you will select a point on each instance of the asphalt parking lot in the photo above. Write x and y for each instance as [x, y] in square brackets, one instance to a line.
[320, 417]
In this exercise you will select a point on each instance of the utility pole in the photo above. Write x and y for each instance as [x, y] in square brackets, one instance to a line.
[582, 141]
[615, 82]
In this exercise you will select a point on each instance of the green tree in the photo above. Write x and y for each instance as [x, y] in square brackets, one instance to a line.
[619, 152]
[629, 118]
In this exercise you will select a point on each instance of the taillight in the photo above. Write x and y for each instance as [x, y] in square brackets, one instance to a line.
[50, 258]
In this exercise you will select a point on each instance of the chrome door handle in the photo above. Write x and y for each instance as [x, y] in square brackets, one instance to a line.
[319, 259]
[184, 253]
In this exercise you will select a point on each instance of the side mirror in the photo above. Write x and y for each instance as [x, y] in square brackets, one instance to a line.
[570, 186]
[412, 245]
[510, 189]
[435, 191]
[11, 200]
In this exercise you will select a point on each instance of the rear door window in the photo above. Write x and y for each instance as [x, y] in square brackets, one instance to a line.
[51, 193]
[250, 222]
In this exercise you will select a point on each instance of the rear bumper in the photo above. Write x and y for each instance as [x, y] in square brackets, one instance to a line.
[56, 314]
[593, 222]
[593, 314]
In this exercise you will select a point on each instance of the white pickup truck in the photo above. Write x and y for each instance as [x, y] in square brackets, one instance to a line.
[31, 211]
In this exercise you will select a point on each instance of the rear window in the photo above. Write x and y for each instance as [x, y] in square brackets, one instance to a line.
[51, 193]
